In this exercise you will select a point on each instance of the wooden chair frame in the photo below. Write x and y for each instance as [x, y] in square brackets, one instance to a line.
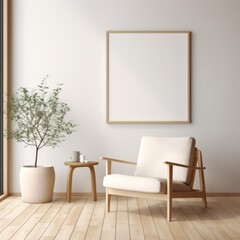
[194, 193]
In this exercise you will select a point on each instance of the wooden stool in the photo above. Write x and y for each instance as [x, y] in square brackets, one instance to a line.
[72, 166]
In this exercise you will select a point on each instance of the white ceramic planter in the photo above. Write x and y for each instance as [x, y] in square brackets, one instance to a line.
[37, 184]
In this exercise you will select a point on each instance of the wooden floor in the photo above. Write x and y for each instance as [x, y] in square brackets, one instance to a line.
[130, 218]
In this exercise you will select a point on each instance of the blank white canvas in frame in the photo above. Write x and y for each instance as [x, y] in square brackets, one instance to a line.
[148, 77]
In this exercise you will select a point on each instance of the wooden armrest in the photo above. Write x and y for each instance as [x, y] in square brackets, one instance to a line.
[182, 165]
[117, 160]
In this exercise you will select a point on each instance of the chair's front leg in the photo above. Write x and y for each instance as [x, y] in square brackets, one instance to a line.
[169, 192]
[108, 199]
[108, 196]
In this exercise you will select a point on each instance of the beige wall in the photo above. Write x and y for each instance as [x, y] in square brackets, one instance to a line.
[66, 39]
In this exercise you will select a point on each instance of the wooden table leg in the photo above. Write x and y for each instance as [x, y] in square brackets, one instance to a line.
[69, 184]
[93, 178]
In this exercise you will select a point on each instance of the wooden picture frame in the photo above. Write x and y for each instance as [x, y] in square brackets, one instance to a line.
[148, 77]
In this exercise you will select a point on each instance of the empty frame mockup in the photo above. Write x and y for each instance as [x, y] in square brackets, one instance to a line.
[148, 77]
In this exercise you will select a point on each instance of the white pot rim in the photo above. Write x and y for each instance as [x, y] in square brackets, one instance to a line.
[38, 166]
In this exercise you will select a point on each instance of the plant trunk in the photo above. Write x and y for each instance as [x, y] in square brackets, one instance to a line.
[36, 157]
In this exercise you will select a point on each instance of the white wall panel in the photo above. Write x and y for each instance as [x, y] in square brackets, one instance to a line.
[66, 39]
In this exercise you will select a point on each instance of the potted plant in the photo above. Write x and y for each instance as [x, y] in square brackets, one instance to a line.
[38, 120]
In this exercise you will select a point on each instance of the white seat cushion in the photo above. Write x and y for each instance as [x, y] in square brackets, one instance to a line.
[141, 184]
[132, 183]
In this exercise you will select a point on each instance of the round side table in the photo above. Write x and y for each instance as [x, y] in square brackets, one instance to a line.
[72, 166]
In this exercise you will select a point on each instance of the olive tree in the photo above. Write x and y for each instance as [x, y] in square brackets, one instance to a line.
[39, 117]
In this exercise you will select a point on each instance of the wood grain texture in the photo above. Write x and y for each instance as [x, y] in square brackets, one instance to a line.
[130, 218]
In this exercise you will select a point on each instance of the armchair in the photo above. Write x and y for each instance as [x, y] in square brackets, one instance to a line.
[165, 170]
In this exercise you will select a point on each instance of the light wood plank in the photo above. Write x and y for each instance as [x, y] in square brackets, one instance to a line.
[162, 227]
[213, 224]
[199, 224]
[12, 215]
[175, 227]
[6, 202]
[27, 227]
[149, 228]
[15, 225]
[44, 222]
[9, 207]
[135, 223]
[57, 222]
[84, 219]
[71, 220]
[122, 227]
[122, 204]
[95, 225]
[230, 207]
[109, 224]
[220, 215]
[187, 226]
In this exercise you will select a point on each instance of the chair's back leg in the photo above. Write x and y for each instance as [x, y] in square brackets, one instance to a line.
[169, 192]
[202, 187]
[108, 197]
[202, 179]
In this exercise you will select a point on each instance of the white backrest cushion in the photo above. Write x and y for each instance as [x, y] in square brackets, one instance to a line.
[154, 151]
